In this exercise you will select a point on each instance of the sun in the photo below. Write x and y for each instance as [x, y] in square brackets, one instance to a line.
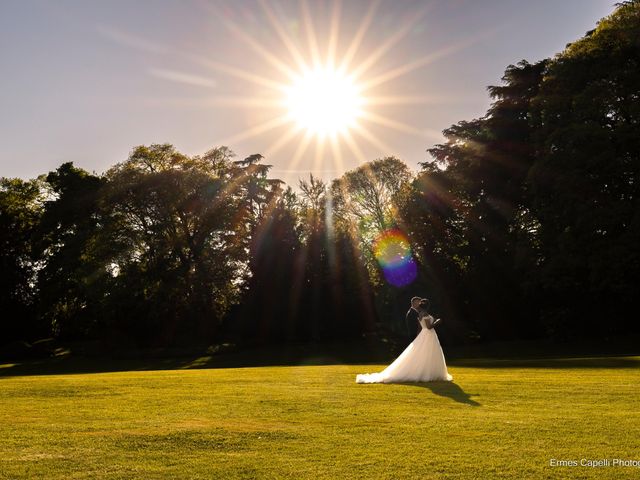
[324, 87]
[324, 101]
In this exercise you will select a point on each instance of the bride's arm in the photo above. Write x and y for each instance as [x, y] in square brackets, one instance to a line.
[429, 321]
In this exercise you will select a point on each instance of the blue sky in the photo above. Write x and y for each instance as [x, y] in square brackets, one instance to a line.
[86, 81]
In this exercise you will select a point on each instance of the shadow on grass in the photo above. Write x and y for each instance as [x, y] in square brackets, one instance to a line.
[269, 356]
[551, 363]
[303, 355]
[447, 389]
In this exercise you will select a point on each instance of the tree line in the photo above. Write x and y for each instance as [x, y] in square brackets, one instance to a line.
[523, 223]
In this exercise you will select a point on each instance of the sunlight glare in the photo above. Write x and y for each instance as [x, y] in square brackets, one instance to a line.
[324, 101]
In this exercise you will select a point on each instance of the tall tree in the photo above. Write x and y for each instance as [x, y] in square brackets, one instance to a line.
[71, 278]
[21, 207]
[469, 214]
[363, 198]
[269, 308]
[364, 204]
[586, 178]
[178, 242]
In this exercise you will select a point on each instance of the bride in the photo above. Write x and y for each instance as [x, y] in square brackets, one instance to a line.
[421, 361]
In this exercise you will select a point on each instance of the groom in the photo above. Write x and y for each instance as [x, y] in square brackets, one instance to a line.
[411, 320]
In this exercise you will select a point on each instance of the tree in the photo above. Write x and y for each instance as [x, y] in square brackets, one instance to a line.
[270, 308]
[470, 217]
[363, 198]
[259, 191]
[363, 203]
[177, 244]
[586, 178]
[21, 206]
[70, 279]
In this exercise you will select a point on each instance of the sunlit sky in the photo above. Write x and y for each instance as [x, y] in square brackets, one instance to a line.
[86, 81]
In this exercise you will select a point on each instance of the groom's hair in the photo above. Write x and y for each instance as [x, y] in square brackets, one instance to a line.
[415, 299]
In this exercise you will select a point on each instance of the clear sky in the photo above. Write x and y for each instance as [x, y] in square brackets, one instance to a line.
[86, 81]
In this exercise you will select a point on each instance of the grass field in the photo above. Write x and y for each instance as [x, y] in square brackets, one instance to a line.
[499, 419]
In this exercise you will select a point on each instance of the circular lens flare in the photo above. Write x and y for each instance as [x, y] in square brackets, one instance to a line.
[324, 101]
[393, 252]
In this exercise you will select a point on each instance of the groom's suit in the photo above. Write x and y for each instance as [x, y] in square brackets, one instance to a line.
[412, 323]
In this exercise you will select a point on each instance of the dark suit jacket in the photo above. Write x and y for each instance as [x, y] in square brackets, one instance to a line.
[413, 325]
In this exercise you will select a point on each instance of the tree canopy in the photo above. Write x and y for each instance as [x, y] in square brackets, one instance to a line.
[523, 223]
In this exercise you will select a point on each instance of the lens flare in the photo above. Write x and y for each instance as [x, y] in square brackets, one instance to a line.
[393, 252]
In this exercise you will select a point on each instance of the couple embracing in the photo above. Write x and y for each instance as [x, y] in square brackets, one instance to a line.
[423, 359]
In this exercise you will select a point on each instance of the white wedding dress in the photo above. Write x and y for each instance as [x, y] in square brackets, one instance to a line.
[421, 361]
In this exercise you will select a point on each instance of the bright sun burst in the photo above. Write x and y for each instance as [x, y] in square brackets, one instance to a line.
[327, 93]
[324, 101]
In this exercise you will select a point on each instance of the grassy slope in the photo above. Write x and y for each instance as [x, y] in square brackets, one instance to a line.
[500, 419]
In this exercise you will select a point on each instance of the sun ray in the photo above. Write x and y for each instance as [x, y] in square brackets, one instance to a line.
[312, 39]
[337, 153]
[300, 150]
[319, 156]
[376, 142]
[411, 100]
[401, 126]
[421, 62]
[234, 71]
[284, 37]
[357, 38]
[366, 64]
[258, 129]
[333, 33]
[388, 122]
[285, 138]
[353, 146]
[215, 101]
[182, 77]
[268, 56]
[249, 102]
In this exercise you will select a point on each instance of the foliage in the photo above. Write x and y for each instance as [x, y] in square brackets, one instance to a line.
[363, 198]
[71, 278]
[585, 181]
[20, 213]
[524, 222]
[177, 243]
[469, 211]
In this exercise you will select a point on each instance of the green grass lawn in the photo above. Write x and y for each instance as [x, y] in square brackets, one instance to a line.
[499, 419]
